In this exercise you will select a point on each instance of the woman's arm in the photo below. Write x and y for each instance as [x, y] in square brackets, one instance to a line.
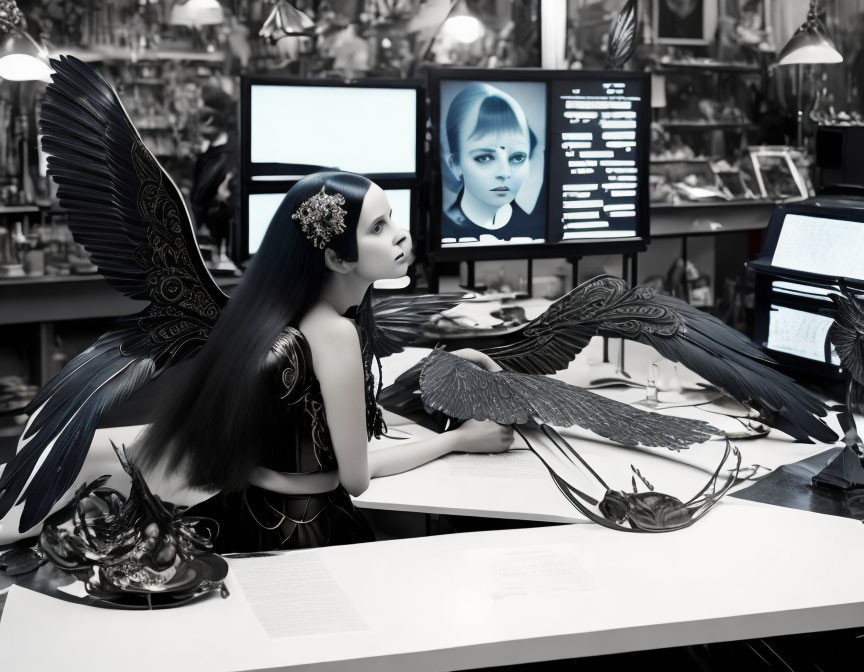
[471, 437]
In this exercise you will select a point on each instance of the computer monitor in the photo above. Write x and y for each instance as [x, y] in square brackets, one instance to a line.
[811, 248]
[538, 163]
[293, 127]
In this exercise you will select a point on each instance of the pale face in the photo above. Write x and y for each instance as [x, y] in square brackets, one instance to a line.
[494, 167]
[383, 247]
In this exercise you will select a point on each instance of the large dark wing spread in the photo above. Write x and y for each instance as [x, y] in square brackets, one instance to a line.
[622, 37]
[736, 365]
[847, 334]
[551, 341]
[398, 319]
[718, 353]
[131, 218]
[463, 390]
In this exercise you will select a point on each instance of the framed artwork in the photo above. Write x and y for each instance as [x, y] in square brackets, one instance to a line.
[684, 21]
[777, 175]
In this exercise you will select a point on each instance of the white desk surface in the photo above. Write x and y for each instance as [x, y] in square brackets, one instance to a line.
[517, 486]
[473, 600]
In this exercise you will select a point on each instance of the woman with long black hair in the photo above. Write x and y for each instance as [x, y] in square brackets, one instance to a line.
[277, 408]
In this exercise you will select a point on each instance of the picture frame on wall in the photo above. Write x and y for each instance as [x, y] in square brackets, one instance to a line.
[777, 175]
[684, 21]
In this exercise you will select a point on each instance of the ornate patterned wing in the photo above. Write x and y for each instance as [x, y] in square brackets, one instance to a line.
[463, 390]
[131, 218]
[622, 37]
[679, 332]
[550, 342]
[397, 320]
[847, 333]
[723, 356]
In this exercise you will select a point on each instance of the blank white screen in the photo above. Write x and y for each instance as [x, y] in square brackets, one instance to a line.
[362, 130]
[799, 333]
[821, 245]
[262, 207]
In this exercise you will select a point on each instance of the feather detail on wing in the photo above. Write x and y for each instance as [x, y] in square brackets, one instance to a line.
[463, 390]
[679, 332]
[622, 37]
[847, 333]
[131, 218]
[398, 319]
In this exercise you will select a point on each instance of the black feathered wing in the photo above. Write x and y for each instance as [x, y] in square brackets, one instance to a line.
[847, 334]
[398, 319]
[463, 390]
[679, 332]
[133, 222]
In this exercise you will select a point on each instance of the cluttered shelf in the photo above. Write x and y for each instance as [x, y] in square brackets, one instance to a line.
[706, 65]
[708, 125]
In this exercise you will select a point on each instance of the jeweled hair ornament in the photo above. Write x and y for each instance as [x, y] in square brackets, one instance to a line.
[321, 217]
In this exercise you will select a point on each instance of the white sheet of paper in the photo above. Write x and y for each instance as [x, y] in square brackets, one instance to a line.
[529, 571]
[295, 594]
[512, 465]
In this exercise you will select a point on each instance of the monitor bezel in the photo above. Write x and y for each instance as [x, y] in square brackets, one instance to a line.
[560, 249]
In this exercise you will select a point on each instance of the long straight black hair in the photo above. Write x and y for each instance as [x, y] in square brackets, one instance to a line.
[213, 426]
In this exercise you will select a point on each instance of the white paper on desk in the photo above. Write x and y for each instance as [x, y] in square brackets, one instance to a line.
[295, 594]
[512, 465]
[529, 571]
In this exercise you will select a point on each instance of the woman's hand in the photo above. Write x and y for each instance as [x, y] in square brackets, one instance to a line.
[483, 437]
[482, 360]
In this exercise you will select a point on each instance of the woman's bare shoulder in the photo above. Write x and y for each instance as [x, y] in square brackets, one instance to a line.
[323, 327]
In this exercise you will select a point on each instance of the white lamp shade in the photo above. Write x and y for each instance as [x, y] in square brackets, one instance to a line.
[196, 13]
[22, 60]
[463, 28]
[810, 44]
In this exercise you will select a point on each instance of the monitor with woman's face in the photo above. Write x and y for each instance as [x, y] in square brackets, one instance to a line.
[492, 162]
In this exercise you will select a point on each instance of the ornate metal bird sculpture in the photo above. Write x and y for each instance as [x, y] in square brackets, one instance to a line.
[679, 332]
[846, 470]
[463, 390]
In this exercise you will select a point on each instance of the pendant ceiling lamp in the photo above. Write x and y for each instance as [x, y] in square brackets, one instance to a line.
[285, 20]
[462, 24]
[196, 13]
[22, 58]
[810, 43]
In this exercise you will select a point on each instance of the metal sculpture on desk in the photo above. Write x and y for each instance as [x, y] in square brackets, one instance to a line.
[846, 470]
[463, 390]
[130, 216]
[604, 306]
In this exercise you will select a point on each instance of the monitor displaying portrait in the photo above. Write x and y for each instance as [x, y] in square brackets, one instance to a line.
[492, 154]
[531, 161]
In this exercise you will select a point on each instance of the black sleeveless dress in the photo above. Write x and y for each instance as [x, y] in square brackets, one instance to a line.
[261, 520]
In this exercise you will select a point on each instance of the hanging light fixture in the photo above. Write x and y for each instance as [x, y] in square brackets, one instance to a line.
[285, 20]
[196, 13]
[22, 58]
[810, 43]
[461, 24]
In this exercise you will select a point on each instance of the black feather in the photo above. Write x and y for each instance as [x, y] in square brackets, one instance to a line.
[847, 333]
[398, 319]
[622, 37]
[679, 332]
[463, 390]
[132, 221]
